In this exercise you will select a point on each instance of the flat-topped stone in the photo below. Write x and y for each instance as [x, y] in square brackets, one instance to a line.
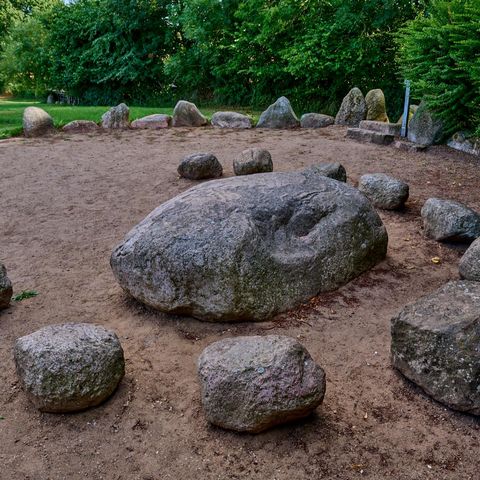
[231, 120]
[382, 127]
[384, 191]
[369, 136]
[81, 126]
[156, 121]
[333, 170]
[316, 120]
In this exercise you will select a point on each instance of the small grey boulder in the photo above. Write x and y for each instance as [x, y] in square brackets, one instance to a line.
[116, 118]
[424, 128]
[37, 122]
[353, 109]
[5, 288]
[69, 367]
[435, 344]
[81, 126]
[199, 166]
[447, 220]
[186, 114]
[152, 122]
[250, 384]
[279, 115]
[331, 170]
[383, 191]
[316, 120]
[469, 267]
[231, 120]
[253, 160]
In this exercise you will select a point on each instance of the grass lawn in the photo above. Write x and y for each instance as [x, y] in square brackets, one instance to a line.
[11, 111]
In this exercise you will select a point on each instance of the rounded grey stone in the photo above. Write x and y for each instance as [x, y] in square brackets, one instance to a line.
[278, 115]
[435, 344]
[447, 220]
[5, 288]
[156, 121]
[186, 114]
[198, 166]
[316, 120]
[253, 160]
[69, 367]
[469, 267]
[353, 109]
[37, 122]
[116, 118]
[383, 191]
[81, 126]
[250, 384]
[331, 170]
[425, 128]
[231, 120]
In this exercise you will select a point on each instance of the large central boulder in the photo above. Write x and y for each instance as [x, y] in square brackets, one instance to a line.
[246, 248]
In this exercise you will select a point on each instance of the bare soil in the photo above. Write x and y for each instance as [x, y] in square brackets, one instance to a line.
[68, 200]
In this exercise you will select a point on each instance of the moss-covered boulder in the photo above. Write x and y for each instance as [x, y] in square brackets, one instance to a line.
[376, 108]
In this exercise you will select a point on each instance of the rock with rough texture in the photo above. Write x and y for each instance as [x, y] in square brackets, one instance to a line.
[152, 122]
[186, 114]
[464, 143]
[81, 126]
[37, 122]
[316, 120]
[411, 112]
[250, 384]
[469, 267]
[231, 120]
[69, 367]
[116, 118]
[435, 344]
[381, 127]
[331, 170]
[383, 191]
[447, 220]
[369, 136]
[5, 288]
[253, 160]
[279, 115]
[248, 247]
[376, 109]
[424, 128]
[409, 146]
[353, 109]
[199, 166]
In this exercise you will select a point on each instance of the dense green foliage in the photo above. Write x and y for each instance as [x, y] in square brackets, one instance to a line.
[440, 53]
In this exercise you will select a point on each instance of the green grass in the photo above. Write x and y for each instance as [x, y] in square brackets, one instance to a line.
[11, 111]
[24, 295]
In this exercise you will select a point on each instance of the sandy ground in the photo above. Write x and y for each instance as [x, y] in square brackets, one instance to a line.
[68, 200]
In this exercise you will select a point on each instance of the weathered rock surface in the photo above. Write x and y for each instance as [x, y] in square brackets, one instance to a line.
[156, 121]
[5, 288]
[116, 118]
[81, 126]
[409, 146]
[253, 160]
[369, 136]
[424, 128]
[383, 191]
[231, 120]
[331, 170]
[353, 109]
[253, 383]
[435, 344]
[37, 122]
[411, 112]
[460, 141]
[447, 220]
[246, 248]
[186, 114]
[279, 115]
[69, 367]
[381, 127]
[316, 120]
[469, 267]
[376, 108]
[200, 166]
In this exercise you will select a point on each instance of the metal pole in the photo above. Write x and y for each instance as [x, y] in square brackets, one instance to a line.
[406, 108]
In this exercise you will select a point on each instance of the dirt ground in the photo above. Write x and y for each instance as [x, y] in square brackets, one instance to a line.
[68, 200]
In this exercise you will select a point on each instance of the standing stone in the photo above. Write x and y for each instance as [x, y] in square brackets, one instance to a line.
[231, 120]
[279, 115]
[424, 128]
[383, 191]
[376, 109]
[447, 220]
[411, 112]
[253, 160]
[316, 120]
[469, 267]
[81, 126]
[250, 384]
[116, 118]
[331, 170]
[199, 166]
[5, 288]
[157, 121]
[37, 122]
[353, 109]
[186, 114]
[69, 367]
[248, 247]
[435, 344]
